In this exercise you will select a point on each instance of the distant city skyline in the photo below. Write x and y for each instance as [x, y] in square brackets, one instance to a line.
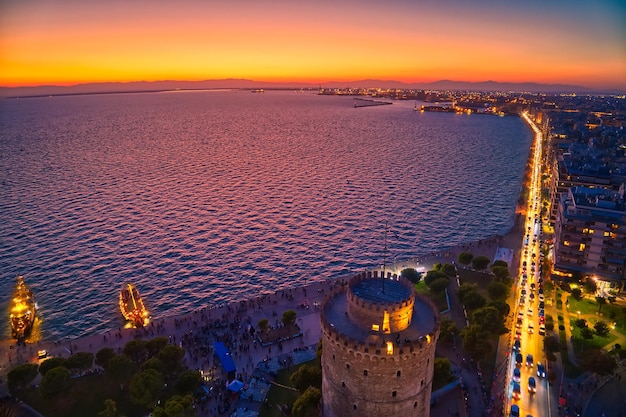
[582, 43]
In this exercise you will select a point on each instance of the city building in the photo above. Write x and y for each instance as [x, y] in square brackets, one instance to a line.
[590, 235]
[378, 348]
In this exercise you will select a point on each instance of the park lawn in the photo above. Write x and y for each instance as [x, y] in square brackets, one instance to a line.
[588, 306]
[278, 395]
[482, 279]
[85, 398]
[581, 345]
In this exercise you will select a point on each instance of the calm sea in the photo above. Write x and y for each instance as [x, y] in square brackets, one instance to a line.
[201, 198]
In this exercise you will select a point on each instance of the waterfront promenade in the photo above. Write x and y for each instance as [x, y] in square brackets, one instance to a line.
[255, 363]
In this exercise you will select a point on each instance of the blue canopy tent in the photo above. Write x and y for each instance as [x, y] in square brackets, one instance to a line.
[224, 355]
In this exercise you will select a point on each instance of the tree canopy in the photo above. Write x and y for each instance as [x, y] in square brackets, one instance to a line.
[20, 376]
[480, 262]
[465, 258]
[289, 317]
[411, 274]
[308, 400]
[145, 387]
[55, 382]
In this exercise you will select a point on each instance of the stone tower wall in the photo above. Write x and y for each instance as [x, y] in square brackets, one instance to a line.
[364, 380]
[365, 314]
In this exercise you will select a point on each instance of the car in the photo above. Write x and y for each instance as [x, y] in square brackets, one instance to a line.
[521, 300]
[540, 291]
[517, 390]
[531, 328]
[518, 334]
[524, 263]
[541, 370]
[523, 291]
[532, 296]
[530, 311]
[514, 411]
[517, 346]
[517, 375]
[518, 360]
[542, 330]
[542, 312]
[542, 319]
[541, 299]
[532, 385]
[532, 286]
[529, 360]
[42, 354]
[519, 323]
[541, 305]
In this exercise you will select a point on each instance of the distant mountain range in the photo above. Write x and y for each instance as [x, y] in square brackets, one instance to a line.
[143, 86]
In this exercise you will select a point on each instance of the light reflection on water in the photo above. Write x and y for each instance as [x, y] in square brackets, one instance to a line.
[204, 198]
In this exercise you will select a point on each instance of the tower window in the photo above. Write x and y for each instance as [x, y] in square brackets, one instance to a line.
[393, 394]
[398, 374]
[333, 356]
[354, 406]
[343, 384]
[365, 372]
[347, 366]
[415, 404]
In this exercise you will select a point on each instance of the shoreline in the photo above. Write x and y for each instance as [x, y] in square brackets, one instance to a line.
[12, 355]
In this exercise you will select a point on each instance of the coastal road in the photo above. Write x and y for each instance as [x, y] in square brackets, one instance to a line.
[528, 311]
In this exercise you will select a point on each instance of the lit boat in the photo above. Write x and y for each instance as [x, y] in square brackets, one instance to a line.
[22, 310]
[132, 307]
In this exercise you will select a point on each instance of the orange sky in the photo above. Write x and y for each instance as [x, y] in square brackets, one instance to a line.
[75, 41]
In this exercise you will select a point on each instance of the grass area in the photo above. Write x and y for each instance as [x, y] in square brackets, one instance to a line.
[85, 398]
[278, 395]
[488, 365]
[609, 312]
[581, 345]
[481, 279]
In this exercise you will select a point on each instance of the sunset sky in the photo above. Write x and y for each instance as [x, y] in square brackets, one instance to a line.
[548, 41]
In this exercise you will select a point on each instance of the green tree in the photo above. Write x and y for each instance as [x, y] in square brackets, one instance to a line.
[289, 317]
[490, 319]
[497, 290]
[501, 273]
[51, 363]
[80, 361]
[465, 258]
[55, 382]
[499, 262]
[145, 387]
[577, 293]
[154, 346]
[448, 269]
[110, 409]
[411, 274]
[442, 372]
[464, 289]
[590, 286]
[586, 333]
[552, 344]
[172, 357]
[156, 364]
[502, 307]
[432, 275]
[475, 342]
[176, 406]
[103, 356]
[601, 301]
[21, 376]
[264, 325]
[307, 376]
[439, 285]
[447, 329]
[473, 300]
[602, 329]
[581, 323]
[120, 369]
[136, 350]
[307, 401]
[188, 382]
[480, 263]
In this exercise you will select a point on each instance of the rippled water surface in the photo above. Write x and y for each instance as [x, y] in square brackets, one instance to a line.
[206, 197]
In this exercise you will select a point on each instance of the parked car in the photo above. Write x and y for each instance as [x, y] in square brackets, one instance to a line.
[532, 385]
[529, 360]
[518, 359]
[517, 375]
[542, 329]
[517, 390]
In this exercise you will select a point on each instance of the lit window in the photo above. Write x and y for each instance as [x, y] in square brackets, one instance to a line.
[565, 243]
[590, 231]
[386, 328]
[581, 247]
[375, 327]
[389, 348]
[606, 234]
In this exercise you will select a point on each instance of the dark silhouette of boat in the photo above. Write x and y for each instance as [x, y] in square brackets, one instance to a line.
[132, 307]
[22, 310]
